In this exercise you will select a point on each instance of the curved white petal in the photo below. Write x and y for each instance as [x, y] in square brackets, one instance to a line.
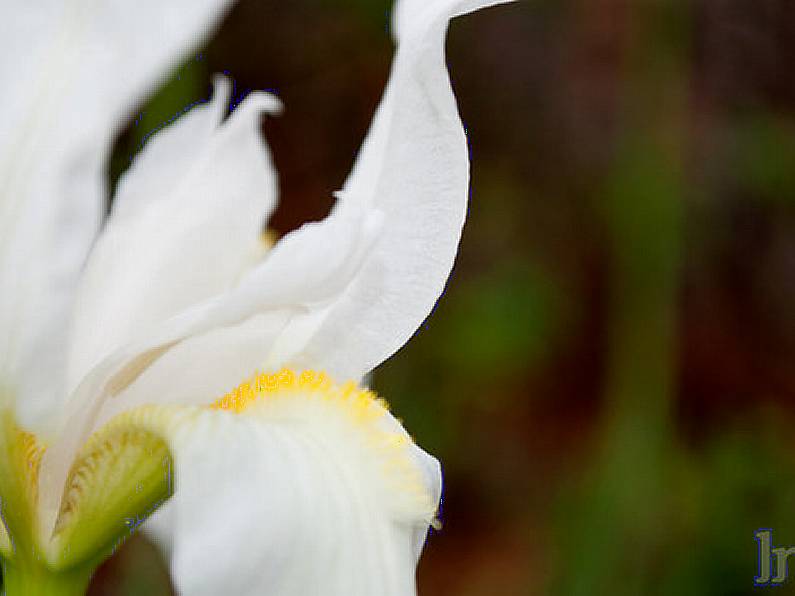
[414, 167]
[302, 495]
[72, 71]
[188, 224]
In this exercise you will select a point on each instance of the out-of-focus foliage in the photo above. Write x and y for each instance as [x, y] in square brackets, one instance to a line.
[608, 377]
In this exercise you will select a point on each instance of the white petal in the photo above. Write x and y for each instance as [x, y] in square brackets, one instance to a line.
[72, 71]
[297, 498]
[414, 169]
[159, 529]
[181, 234]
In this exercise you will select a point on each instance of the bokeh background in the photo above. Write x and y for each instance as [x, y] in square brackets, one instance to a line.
[609, 378]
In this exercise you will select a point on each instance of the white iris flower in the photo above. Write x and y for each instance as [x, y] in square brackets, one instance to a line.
[172, 336]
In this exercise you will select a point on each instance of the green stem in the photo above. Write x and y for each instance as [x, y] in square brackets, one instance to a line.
[36, 580]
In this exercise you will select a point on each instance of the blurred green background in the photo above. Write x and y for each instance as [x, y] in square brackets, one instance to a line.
[609, 378]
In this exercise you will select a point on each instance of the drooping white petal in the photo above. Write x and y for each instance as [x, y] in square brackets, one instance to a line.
[188, 225]
[298, 496]
[72, 71]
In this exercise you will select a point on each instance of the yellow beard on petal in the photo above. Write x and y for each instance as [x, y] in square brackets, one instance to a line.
[362, 404]
[264, 386]
[360, 412]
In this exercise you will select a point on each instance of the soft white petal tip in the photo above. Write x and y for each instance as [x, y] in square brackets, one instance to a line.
[262, 102]
[222, 87]
[222, 93]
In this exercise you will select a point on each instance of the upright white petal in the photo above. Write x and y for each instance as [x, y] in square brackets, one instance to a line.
[177, 240]
[187, 224]
[414, 167]
[71, 70]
